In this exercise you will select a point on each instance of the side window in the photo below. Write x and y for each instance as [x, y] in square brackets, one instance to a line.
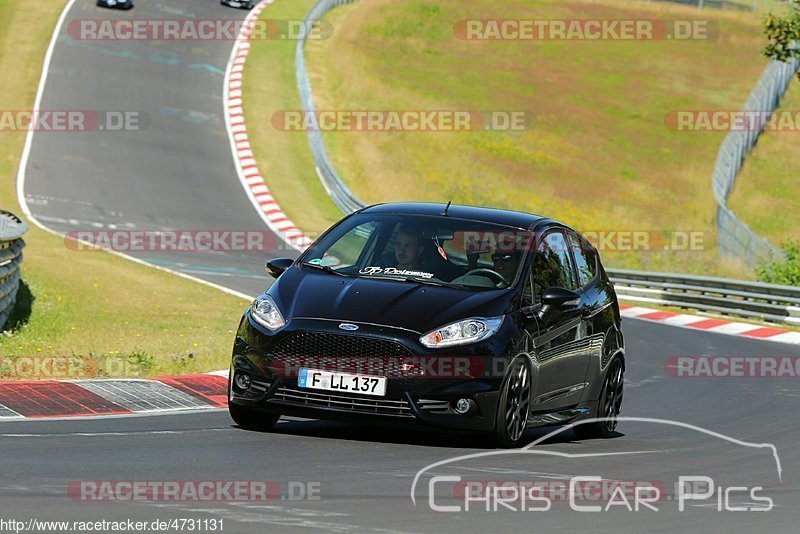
[585, 259]
[552, 266]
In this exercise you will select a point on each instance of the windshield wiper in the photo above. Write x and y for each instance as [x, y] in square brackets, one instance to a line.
[429, 282]
[424, 281]
[324, 268]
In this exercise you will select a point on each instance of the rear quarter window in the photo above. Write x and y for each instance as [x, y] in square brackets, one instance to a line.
[552, 266]
[585, 259]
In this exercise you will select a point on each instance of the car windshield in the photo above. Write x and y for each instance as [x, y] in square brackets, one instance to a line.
[435, 250]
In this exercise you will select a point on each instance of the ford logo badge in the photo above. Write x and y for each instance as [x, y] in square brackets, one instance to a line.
[348, 326]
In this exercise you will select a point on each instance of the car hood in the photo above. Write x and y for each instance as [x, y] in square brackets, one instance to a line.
[417, 307]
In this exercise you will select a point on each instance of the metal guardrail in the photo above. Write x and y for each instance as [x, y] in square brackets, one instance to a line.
[711, 295]
[722, 296]
[716, 4]
[344, 199]
[736, 239]
[11, 244]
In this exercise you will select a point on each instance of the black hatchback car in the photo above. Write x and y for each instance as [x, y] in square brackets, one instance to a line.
[241, 4]
[115, 4]
[449, 316]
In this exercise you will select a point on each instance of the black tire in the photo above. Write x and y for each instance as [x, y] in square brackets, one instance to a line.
[513, 405]
[609, 405]
[252, 419]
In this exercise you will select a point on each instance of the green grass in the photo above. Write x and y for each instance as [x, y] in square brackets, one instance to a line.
[598, 154]
[765, 195]
[100, 308]
[284, 157]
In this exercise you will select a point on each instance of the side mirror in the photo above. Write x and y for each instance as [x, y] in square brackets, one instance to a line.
[277, 266]
[552, 297]
[558, 296]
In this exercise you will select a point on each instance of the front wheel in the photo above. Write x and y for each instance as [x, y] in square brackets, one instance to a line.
[252, 419]
[513, 405]
[609, 405]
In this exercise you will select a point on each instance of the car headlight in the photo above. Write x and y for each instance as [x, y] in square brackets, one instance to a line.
[462, 332]
[265, 312]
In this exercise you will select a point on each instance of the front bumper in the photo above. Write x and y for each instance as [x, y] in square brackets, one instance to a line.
[423, 395]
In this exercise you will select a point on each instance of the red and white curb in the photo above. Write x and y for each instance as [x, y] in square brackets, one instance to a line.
[707, 324]
[246, 166]
[48, 399]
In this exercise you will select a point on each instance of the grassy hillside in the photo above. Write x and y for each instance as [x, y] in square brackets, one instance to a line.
[92, 305]
[598, 154]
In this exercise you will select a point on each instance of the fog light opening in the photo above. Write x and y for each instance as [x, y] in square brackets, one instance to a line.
[464, 406]
[242, 381]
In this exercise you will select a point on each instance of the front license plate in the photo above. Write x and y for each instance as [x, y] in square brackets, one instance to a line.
[328, 381]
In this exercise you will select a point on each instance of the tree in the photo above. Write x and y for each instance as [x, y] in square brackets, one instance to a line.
[783, 34]
[786, 271]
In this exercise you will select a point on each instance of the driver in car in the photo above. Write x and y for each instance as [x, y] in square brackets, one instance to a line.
[408, 248]
[505, 263]
[505, 259]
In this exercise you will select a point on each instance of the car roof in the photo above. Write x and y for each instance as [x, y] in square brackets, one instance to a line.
[490, 215]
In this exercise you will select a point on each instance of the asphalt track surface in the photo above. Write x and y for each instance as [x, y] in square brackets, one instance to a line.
[174, 173]
[178, 173]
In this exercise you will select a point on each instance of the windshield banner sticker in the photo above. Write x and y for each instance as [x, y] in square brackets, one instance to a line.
[393, 271]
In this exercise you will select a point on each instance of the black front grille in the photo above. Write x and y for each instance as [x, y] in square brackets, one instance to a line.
[260, 386]
[342, 402]
[433, 406]
[338, 345]
[344, 353]
[357, 403]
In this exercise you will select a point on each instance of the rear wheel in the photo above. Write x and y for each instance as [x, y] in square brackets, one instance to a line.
[609, 405]
[514, 405]
[252, 419]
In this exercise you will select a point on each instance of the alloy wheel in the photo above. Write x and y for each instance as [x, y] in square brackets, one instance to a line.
[518, 400]
[612, 399]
